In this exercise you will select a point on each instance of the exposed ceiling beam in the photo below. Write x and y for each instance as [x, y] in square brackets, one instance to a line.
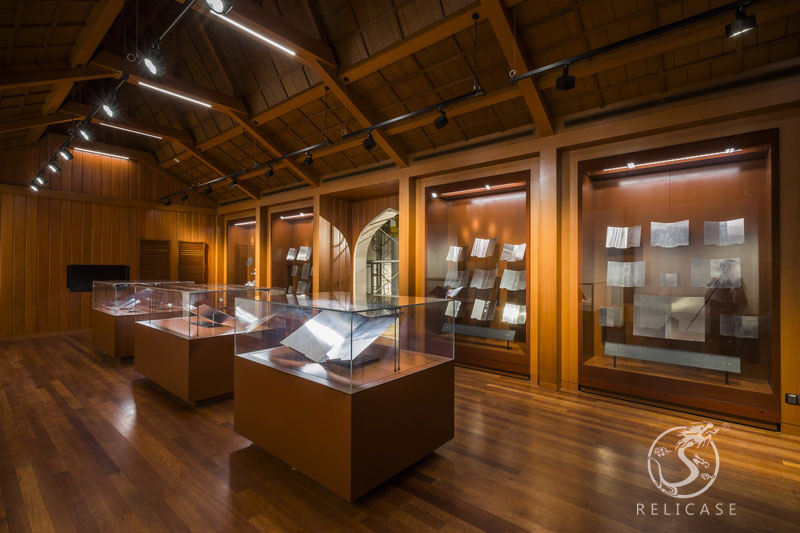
[97, 25]
[136, 75]
[253, 16]
[217, 168]
[21, 80]
[133, 123]
[361, 114]
[764, 11]
[216, 140]
[274, 151]
[34, 121]
[496, 13]
[298, 100]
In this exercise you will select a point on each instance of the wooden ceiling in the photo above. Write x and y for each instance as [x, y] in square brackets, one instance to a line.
[377, 58]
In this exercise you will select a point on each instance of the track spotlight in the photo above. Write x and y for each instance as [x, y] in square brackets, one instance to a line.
[83, 131]
[369, 142]
[220, 6]
[65, 154]
[167, 202]
[110, 106]
[565, 82]
[441, 121]
[270, 171]
[235, 181]
[52, 167]
[309, 160]
[153, 60]
[185, 197]
[208, 190]
[39, 180]
[34, 187]
[742, 24]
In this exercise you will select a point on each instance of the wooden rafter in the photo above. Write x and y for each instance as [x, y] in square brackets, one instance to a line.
[133, 123]
[217, 168]
[19, 124]
[97, 25]
[496, 13]
[298, 100]
[20, 80]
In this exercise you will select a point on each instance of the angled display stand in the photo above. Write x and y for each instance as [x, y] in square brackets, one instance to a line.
[348, 392]
[183, 342]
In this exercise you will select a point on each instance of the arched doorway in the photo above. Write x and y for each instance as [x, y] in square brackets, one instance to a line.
[376, 257]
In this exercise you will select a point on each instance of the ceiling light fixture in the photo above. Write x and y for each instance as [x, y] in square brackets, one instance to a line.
[167, 201]
[254, 33]
[52, 167]
[153, 60]
[270, 171]
[83, 131]
[235, 181]
[220, 7]
[65, 154]
[299, 215]
[441, 121]
[369, 142]
[110, 106]
[95, 152]
[565, 82]
[492, 188]
[34, 187]
[208, 190]
[176, 95]
[185, 197]
[130, 130]
[247, 223]
[309, 160]
[434, 195]
[742, 24]
[39, 179]
[631, 166]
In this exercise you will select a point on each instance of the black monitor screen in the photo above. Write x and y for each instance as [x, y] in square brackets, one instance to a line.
[80, 277]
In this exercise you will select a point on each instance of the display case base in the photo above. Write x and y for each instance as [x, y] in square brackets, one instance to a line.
[191, 369]
[113, 334]
[348, 443]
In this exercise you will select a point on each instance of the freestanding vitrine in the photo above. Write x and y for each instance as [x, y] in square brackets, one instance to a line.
[348, 392]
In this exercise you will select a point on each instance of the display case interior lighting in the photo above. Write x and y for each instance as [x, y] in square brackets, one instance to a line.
[95, 152]
[176, 95]
[486, 188]
[632, 165]
[246, 223]
[254, 33]
[151, 135]
[299, 215]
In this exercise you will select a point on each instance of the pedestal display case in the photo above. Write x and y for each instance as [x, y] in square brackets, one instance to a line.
[184, 337]
[291, 238]
[348, 392]
[477, 256]
[114, 310]
[679, 277]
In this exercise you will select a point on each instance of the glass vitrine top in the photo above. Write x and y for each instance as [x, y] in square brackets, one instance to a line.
[345, 302]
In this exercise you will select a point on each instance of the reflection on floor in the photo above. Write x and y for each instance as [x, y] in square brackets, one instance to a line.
[86, 445]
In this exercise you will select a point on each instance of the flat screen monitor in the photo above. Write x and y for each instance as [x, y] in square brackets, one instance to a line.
[80, 277]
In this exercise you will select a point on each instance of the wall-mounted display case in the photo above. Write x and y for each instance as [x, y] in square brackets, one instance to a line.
[291, 257]
[679, 276]
[114, 310]
[477, 256]
[371, 378]
[184, 337]
[240, 253]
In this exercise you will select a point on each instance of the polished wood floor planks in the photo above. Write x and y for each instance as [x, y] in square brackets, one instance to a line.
[87, 445]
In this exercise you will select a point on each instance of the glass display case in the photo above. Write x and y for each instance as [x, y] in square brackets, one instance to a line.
[341, 343]
[119, 297]
[291, 250]
[477, 256]
[678, 276]
[191, 310]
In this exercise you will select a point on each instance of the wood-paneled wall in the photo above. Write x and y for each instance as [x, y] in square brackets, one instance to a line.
[40, 234]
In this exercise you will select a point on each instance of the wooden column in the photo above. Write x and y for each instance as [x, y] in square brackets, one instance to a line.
[320, 225]
[549, 370]
[263, 247]
[408, 241]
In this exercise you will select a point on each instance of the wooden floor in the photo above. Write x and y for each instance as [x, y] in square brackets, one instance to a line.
[87, 445]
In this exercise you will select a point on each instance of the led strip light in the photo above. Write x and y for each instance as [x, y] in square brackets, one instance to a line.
[130, 130]
[254, 33]
[632, 166]
[159, 89]
[101, 153]
[483, 189]
[301, 215]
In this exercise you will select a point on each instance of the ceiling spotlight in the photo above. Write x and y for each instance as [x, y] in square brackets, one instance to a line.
[208, 190]
[270, 171]
[220, 6]
[40, 179]
[434, 195]
[110, 106]
[167, 202]
[487, 187]
[185, 197]
[83, 131]
[309, 160]
[235, 181]
[441, 121]
[34, 187]
[742, 24]
[565, 82]
[65, 154]
[53, 167]
[369, 142]
[153, 60]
